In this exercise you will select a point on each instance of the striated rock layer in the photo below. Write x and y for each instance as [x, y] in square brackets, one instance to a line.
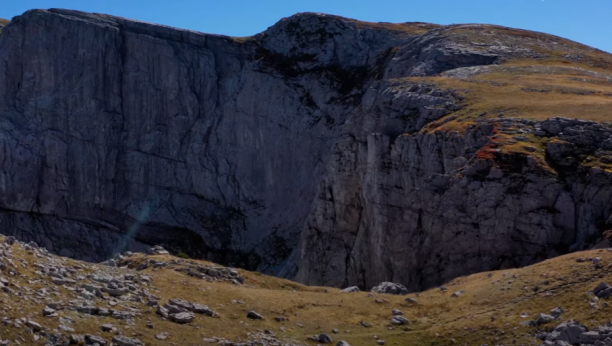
[296, 151]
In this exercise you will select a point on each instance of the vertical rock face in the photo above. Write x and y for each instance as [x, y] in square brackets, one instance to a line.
[296, 151]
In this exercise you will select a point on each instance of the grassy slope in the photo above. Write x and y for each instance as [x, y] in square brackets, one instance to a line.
[491, 305]
[487, 313]
[537, 91]
[567, 79]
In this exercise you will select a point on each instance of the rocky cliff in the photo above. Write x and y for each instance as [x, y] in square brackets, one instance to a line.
[320, 149]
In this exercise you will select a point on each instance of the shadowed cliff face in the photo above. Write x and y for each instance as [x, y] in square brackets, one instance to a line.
[296, 151]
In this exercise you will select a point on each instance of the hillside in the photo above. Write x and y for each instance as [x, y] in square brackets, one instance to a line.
[485, 308]
[325, 150]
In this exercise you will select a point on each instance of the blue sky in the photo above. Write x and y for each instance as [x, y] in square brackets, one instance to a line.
[585, 21]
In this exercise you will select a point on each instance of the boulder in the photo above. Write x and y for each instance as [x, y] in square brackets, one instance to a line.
[399, 320]
[544, 318]
[47, 311]
[188, 306]
[556, 312]
[350, 289]
[173, 309]
[33, 325]
[601, 287]
[254, 315]
[162, 311]
[203, 309]
[95, 339]
[182, 317]
[589, 337]
[122, 340]
[390, 288]
[324, 338]
[570, 332]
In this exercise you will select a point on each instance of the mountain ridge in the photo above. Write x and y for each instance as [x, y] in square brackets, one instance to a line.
[316, 150]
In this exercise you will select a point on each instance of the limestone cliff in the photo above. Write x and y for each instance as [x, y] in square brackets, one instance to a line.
[301, 151]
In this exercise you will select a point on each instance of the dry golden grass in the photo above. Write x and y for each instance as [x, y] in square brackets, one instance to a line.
[535, 90]
[535, 96]
[489, 311]
[411, 28]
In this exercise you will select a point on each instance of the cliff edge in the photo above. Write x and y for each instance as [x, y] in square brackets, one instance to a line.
[324, 149]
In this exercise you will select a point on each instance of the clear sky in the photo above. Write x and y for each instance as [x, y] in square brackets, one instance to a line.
[585, 21]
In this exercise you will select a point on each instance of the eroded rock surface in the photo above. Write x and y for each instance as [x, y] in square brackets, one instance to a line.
[296, 151]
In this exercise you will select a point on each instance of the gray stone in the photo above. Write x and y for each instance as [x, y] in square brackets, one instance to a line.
[556, 312]
[324, 339]
[65, 328]
[602, 286]
[162, 311]
[163, 336]
[458, 293]
[399, 320]
[203, 309]
[182, 317]
[589, 337]
[188, 306]
[605, 293]
[390, 288]
[122, 340]
[350, 289]
[75, 338]
[173, 309]
[63, 281]
[254, 315]
[544, 319]
[86, 309]
[570, 332]
[107, 327]
[560, 343]
[114, 292]
[33, 325]
[47, 311]
[95, 339]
